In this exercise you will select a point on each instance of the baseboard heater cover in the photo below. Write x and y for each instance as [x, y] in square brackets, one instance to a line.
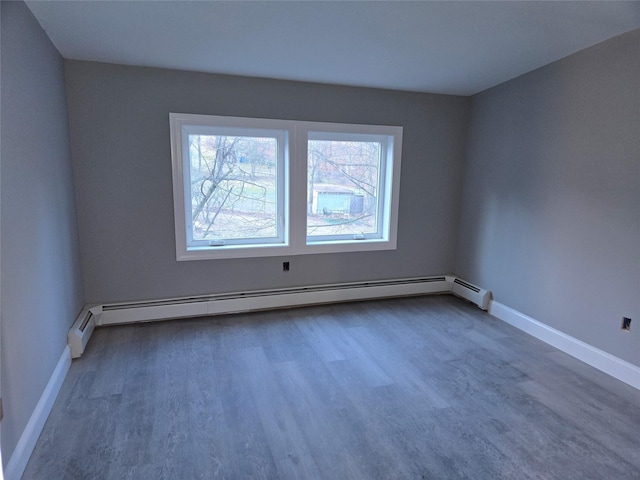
[217, 304]
[470, 292]
[81, 330]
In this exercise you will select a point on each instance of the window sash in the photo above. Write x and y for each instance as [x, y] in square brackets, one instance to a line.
[381, 187]
[280, 137]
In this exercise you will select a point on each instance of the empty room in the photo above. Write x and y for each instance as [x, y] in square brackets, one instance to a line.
[320, 240]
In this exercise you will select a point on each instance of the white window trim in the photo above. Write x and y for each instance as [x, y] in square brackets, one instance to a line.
[295, 189]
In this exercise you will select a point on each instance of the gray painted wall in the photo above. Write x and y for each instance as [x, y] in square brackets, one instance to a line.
[41, 278]
[119, 123]
[551, 206]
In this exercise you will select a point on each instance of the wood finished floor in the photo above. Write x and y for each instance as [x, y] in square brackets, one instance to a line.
[415, 388]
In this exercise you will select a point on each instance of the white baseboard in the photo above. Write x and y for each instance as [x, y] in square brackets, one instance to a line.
[20, 456]
[603, 361]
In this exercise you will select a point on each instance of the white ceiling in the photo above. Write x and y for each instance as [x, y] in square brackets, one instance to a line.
[448, 47]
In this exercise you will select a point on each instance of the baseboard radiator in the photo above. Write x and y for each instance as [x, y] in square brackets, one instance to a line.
[217, 304]
[81, 330]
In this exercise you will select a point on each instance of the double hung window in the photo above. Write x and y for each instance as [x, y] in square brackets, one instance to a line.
[248, 187]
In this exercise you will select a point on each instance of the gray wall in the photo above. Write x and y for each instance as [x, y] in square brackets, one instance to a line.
[551, 206]
[41, 278]
[119, 123]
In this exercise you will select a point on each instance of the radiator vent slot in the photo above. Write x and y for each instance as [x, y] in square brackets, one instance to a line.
[467, 285]
[85, 322]
[154, 303]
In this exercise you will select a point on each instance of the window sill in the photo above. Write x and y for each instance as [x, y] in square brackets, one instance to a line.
[271, 250]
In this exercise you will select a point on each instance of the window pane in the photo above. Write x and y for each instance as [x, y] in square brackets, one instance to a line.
[342, 187]
[233, 187]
